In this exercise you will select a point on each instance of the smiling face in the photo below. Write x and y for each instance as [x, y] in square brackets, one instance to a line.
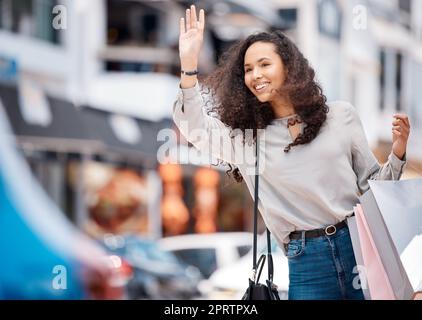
[264, 71]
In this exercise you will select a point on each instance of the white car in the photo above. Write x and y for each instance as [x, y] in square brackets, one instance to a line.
[230, 282]
[209, 252]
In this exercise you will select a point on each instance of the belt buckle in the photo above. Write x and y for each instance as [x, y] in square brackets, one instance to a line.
[330, 233]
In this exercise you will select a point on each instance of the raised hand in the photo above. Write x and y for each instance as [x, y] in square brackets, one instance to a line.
[401, 131]
[191, 37]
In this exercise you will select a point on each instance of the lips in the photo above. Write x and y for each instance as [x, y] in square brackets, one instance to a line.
[260, 87]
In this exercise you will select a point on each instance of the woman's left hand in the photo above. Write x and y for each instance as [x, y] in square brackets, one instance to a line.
[401, 131]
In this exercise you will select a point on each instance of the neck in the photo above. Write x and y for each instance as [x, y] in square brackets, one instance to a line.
[282, 107]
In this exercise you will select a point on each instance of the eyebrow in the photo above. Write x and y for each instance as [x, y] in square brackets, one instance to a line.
[263, 58]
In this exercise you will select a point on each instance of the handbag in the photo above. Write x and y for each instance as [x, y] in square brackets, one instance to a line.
[257, 290]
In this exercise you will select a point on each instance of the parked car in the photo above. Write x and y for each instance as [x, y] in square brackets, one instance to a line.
[231, 281]
[157, 274]
[208, 252]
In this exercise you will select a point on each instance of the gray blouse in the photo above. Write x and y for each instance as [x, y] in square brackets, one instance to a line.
[311, 186]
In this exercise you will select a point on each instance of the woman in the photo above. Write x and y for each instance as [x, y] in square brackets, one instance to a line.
[314, 158]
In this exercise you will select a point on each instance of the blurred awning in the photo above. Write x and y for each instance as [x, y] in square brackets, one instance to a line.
[128, 137]
[52, 124]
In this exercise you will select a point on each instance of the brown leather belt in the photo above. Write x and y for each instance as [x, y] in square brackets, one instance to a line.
[327, 231]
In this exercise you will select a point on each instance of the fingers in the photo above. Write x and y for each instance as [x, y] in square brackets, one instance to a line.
[188, 17]
[402, 117]
[193, 18]
[201, 19]
[398, 133]
[182, 26]
[402, 130]
[401, 126]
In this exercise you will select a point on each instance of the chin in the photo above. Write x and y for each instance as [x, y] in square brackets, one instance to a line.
[262, 99]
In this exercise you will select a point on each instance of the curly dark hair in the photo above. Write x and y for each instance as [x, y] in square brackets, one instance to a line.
[238, 107]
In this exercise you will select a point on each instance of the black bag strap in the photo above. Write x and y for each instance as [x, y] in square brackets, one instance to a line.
[260, 265]
[255, 226]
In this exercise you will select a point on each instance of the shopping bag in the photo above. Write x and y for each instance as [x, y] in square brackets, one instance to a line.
[400, 203]
[376, 275]
[393, 212]
[360, 265]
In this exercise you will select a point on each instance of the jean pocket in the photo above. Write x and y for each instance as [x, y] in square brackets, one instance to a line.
[294, 249]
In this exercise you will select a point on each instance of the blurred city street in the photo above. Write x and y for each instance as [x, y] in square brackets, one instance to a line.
[87, 208]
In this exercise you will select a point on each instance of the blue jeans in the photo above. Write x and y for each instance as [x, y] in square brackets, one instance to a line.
[323, 268]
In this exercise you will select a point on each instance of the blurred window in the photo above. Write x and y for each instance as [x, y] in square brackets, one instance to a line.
[132, 23]
[398, 82]
[137, 38]
[6, 14]
[288, 18]
[205, 259]
[404, 12]
[382, 79]
[131, 66]
[390, 79]
[31, 18]
[329, 18]
[405, 5]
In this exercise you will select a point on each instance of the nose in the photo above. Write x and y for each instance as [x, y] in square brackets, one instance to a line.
[257, 73]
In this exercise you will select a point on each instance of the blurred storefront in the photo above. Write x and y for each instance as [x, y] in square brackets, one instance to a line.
[97, 166]
[198, 194]
[202, 199]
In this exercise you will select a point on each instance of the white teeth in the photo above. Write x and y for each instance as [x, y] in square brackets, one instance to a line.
[261, 86]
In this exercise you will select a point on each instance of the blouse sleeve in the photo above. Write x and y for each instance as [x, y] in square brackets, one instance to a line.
[365, 165]
[207, 133]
